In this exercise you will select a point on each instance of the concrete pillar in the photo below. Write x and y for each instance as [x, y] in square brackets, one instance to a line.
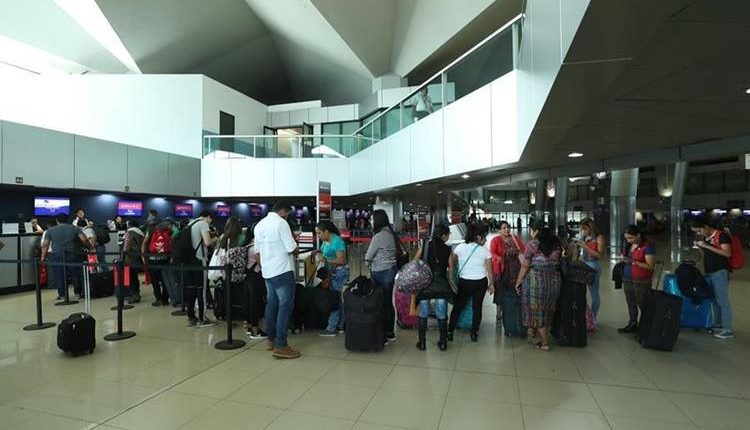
[393, 207]
[540, 190]
[675, 210]
[561, 203]
[623, 191]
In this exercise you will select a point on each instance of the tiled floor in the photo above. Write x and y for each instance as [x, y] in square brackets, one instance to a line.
[170, 377]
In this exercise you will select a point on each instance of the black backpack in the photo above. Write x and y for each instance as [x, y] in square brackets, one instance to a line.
[182, 245]
[102, 235]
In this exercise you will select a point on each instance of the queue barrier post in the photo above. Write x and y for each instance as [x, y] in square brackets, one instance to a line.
[40, 325]
[66, 295]
[229, 343]
[119, 280]
[125, 306]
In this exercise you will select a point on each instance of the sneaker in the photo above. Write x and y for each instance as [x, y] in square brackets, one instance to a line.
[390, 337]
[269, 346]
[630, 328]
[136, 298]
[192, 322]
[156, 303]
[60, 299]
[327, 333]
[206, 323]
[257, 335]
[724, 334]
[285, 352]
[340, 330]
[79, 296]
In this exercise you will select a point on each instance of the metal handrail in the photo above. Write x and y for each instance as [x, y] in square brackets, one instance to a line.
[300, 139]
[510, 23]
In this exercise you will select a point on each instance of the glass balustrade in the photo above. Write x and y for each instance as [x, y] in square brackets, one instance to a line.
[487, 61]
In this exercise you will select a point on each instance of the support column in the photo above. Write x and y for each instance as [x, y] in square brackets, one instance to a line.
[623, 191]
[561, 205]
[675, 210]
[393, 206]
[540, 190]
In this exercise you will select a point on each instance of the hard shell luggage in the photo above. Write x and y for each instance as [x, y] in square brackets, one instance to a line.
[569, 324]
[692, 315]
[238, 294]
[659, 325]
[363, 318]
[406, 318]
[102, 284]
[512, 321]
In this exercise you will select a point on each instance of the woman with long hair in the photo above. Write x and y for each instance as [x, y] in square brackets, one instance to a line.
[436, 254]
[539, 281]
[640, 257]
[592, 252]
[506, 250]
[333, 253]
[472, 264]
[381, 258]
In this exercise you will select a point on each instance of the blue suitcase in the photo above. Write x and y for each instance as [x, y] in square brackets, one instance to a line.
[692, 316]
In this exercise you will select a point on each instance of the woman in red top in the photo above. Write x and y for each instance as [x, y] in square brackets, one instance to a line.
[506, 250]
[640, 256]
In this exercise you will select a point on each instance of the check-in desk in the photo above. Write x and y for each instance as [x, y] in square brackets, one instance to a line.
[20, 277]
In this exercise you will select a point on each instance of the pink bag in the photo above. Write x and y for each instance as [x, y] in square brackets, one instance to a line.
[405, 318]
[590, 320]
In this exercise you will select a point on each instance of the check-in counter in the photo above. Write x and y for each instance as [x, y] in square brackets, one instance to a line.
[20, 277]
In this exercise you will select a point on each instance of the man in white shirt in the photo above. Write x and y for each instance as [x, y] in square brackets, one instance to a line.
[276, 249]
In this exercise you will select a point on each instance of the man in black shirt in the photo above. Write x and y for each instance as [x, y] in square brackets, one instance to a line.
[717, 249]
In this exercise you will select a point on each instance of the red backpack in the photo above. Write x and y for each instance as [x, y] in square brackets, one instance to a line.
[737, 260]
[161, 242]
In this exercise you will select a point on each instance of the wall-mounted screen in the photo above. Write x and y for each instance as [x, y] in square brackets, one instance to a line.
[183, 210]
[51, 206]
[129, 208]
[258, 210]
[223, 211]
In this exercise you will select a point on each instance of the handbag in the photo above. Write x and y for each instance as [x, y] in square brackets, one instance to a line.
[413, 277]
[218, 259]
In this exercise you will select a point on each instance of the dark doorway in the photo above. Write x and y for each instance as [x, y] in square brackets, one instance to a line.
[226, 128]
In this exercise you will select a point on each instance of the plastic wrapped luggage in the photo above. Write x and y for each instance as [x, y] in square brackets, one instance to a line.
[692, 315]
[569, 324]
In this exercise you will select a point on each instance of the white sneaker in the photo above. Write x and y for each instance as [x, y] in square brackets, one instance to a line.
[724, 334]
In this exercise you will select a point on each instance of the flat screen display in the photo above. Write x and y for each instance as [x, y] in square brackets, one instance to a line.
[183, 210]
[129, 208]
[223, 211]
[258, 211]
[51, 206]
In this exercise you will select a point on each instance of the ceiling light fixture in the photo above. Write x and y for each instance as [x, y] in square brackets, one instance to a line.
[508, 202]
[575, 155]
[440, 192]
[747, 91]
[465, 176]
[88, 15]
[419, 185]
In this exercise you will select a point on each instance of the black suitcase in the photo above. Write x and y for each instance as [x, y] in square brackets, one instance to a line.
[238, 295]
[659, 325]
[76, 334]
[569, 324]
[318, 303]
[363, 318]
[102, 284]
[512, 321]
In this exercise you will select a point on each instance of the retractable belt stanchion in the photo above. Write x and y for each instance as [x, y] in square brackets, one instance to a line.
[39, 324]
[183, 309]
[119, 280]
[229, 343]
[121, 294]
[67, 300]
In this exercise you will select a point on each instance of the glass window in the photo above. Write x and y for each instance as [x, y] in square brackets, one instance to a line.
[482, 66]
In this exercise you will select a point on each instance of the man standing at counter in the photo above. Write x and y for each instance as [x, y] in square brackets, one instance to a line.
[62, 237]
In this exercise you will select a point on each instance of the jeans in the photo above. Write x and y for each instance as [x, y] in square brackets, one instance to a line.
[469, 290]
[57, 274]
[722, 311]
[635, 295]
[594, 288]
[157, 278]
[280, 297]
[339, 277]
[441, 308]
[384, 279]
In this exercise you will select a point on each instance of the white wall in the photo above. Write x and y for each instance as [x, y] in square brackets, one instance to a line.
[249, 114]
[161, 112]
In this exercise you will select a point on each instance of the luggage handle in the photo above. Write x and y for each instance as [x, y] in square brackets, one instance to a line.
[86, 290]
[661, 272]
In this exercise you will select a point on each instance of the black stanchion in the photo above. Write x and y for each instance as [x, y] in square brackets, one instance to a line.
[40, 325]
[120, 334]
[125, 306]
[183, 310]
[229, 343]
[67, 300]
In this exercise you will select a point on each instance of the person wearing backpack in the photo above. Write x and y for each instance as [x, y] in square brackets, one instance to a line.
[155, 250]
[200, 241]
[131, 250]
[717, 251]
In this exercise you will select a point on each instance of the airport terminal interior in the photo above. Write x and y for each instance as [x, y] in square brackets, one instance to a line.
[342, 162]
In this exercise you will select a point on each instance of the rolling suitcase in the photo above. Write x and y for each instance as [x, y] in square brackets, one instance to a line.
[692, 315]
[238, 293]
[405, 318]
[569, 323]
[363, 318]
[659, 325]
[466, 317]
[76, 334]
[102, 284]
[511, 305]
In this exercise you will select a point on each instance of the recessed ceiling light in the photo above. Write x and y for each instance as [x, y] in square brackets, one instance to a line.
[575, 155]
[440, 192]
[509, 202]
[419, 185]
[747, 91]
[465, 176]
